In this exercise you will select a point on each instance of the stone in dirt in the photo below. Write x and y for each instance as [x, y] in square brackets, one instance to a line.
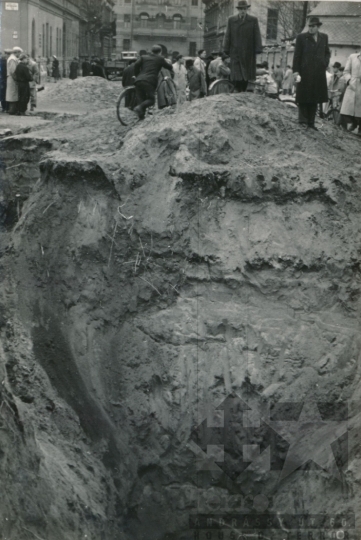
[156, 274]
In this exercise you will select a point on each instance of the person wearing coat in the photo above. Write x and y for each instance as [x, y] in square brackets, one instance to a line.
[200, 62]
[242, 42]
[351, 105]
[196, 81]
[86, 67]
[12, 92]
[287, 83]
[73, 69]
[310, 61]
[97, 69]
[55, 68]
[221, 84]
[213, 65]
[23, 77]
[128, 77]
[180, 79]
[278, 76]
[3, 80]
[165, 95]
[34, 72]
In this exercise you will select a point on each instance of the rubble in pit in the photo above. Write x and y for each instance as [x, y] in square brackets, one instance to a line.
[223, 259]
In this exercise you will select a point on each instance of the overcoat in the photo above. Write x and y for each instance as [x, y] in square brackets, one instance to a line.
[310, 60]
[242, 42]
[165, 96]
[12, 94]
[23, 77]
[351, 104]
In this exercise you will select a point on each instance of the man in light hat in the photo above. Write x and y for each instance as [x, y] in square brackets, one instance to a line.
[12, 93]
[310, 61]
[242, 42]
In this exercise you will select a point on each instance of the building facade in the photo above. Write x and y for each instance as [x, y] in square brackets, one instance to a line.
[42, 28]
[176, 25]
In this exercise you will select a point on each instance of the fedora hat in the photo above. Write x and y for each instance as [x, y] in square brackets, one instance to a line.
[243, 4]
[17, 49]
[314, 20]
[337, 65]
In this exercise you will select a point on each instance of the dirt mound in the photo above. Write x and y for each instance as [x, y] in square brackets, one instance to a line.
[156, 272]
[84, 89]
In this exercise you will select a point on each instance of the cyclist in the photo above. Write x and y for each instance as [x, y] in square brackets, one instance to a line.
[146, 70]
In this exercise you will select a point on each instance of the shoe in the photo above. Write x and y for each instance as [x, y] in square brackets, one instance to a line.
[139, 112]
[312, 126]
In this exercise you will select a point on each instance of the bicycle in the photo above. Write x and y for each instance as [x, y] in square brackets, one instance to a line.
[127, 101]
[221, 86]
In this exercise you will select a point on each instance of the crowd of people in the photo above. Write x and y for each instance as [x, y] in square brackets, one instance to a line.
[19, 76]
[233, 69]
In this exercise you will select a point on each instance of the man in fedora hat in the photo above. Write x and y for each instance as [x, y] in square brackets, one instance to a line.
[310, 61]
[242, 42]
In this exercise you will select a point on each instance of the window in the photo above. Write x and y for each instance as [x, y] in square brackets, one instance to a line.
[193, 23]
[127, 1]
[193, 48]
[194, 2]
[127, 20]
[177, 21]
[160, 18]
[43, 49]
[272, 23]
[126, 44]
[51, 41]
[47, 39]
[144, 20]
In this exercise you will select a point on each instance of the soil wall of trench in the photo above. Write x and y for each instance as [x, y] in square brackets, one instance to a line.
[212, 253]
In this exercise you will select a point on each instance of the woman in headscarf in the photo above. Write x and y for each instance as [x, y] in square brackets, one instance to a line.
[23, 76]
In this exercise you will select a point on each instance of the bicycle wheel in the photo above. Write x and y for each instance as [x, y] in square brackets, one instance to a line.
[125, 105]
[221, 86]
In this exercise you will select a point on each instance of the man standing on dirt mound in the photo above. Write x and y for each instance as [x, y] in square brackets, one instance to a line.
[310, 61]
[242, 42]
[146, 70]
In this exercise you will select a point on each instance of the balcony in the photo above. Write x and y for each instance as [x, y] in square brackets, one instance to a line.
[167, 29]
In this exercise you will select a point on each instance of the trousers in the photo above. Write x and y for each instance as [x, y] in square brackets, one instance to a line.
[307, 113]
[240, 86]
[145, 93]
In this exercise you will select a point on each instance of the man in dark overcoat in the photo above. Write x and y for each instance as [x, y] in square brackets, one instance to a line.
[310, 61]
[242, 42]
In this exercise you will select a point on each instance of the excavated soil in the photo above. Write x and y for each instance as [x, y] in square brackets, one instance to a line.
[147, 274]
[89, 90]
